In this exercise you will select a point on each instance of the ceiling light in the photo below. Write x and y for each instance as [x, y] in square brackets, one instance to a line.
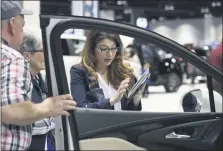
[161, 18]
[167, 7]
[171, 7]
[167, 64]
[142, 22]
[213, 4]
[119, 2]
[218, 3]
[153, 21]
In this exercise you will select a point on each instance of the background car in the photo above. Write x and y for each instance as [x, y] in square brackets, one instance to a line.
[165, 69]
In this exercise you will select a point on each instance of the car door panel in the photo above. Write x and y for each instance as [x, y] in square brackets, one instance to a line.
[127, 119]
[141, 128]
[150, 131]
[203, 135]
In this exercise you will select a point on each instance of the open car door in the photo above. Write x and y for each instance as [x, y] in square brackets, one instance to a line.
[153, 131]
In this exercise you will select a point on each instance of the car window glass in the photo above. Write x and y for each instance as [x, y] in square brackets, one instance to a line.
[72, 43]
[171, 78]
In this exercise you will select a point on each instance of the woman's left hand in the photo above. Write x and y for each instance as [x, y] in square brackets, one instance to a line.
[138, 95]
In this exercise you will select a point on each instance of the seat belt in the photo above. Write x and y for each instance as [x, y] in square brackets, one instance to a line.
[211, 93]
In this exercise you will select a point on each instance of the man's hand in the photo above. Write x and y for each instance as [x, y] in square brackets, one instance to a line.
[58, 105]
[26, 112]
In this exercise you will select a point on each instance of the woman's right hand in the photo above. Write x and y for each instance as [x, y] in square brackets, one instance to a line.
[121, 90]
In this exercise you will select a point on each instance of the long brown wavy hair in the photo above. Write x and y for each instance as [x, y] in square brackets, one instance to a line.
[117, 70]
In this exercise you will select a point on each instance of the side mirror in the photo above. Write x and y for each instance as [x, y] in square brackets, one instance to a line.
[198, 101]
[192, 101]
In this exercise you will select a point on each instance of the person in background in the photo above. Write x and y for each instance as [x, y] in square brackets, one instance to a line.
[151, 62]
[148, 56]
[102, 77]
[144, 57]
[132, 58]
[32, 50]
[17, 111]
[215, 59]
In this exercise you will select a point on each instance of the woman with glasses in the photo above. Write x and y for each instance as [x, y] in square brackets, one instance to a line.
[101, 79]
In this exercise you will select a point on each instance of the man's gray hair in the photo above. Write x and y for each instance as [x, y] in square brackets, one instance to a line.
[31, 43]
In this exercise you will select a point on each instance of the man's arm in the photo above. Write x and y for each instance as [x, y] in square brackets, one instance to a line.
[16, 89]
[22, 113]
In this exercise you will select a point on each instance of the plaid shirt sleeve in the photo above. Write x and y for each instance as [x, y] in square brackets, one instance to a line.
[15, 87]
[16, 81]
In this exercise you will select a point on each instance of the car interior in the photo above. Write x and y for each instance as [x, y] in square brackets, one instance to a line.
[158, 126]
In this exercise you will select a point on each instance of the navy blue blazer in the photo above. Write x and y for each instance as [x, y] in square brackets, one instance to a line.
[39, 89]
[91, 96]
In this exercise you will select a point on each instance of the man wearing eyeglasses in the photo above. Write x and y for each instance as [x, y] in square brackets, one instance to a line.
[32, 50]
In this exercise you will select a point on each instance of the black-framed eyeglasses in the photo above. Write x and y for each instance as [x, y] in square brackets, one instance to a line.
[38, 51]
[107, 49]
[33, 51]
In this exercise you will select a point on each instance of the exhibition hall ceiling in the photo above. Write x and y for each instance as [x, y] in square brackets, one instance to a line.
[169, 9]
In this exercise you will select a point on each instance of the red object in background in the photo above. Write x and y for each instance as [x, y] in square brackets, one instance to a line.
[215, 57]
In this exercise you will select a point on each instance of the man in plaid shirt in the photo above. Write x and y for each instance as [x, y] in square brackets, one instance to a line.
[17, 111]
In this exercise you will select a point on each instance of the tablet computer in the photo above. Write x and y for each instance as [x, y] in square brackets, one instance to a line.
[139, 84]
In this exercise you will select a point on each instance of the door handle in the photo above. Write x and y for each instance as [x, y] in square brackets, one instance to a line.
[174, 135]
